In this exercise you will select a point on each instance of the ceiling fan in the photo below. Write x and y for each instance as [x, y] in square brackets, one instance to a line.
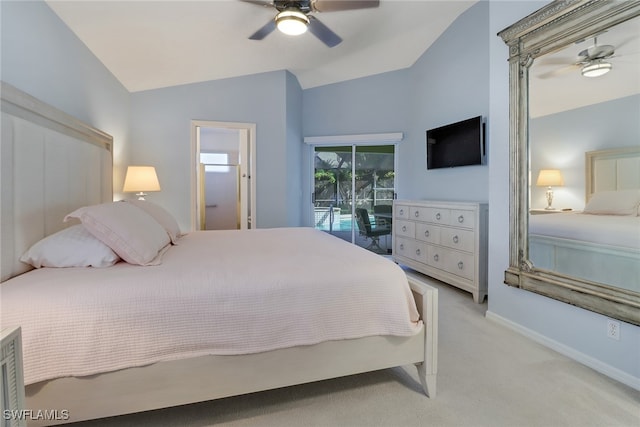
[294, 17]
[593, 61]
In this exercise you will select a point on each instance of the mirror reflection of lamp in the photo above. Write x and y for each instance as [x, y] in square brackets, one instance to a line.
[549, 178]
[140, 179]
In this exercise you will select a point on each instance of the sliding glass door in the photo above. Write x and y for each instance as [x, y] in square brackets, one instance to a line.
[354, 187]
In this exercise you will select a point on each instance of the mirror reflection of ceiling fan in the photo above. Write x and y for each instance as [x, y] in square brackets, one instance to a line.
[592, 61]
[295, 17]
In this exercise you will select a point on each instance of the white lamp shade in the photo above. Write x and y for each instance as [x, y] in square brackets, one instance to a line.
[141, 178]
[549, 178]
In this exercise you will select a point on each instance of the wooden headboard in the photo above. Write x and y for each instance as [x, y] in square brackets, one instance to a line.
[614, 169]
[51, 164]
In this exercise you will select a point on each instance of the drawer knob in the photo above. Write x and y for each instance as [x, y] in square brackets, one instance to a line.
[426, 233]
[455, 239]
[435, 257]
[460, 265]
[461, 219]
[404, 228]
[402, 246]
[418, 252]
[416, 214]
[401, 211]
[438, 216]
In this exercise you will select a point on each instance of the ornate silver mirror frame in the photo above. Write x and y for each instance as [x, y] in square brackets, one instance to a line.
[556, 25]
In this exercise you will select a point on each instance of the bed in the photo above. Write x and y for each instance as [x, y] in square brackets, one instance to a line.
[602, 242]
[55, 166]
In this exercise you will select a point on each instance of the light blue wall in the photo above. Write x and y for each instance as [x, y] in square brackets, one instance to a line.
[572, 330]
[438, 89]
[43, 58]
[375, 104]
[448, 84]
[294, 151]
[560, 140]
[160, 129]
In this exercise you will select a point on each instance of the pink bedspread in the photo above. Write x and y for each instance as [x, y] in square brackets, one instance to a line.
[216, 292]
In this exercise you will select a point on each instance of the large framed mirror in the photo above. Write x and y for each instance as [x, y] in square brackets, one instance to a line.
[574, 88]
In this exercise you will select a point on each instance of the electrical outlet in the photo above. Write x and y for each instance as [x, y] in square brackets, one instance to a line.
[613, 329]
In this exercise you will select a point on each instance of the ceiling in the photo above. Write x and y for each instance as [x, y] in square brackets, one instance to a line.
[556, 83]
[154, 44]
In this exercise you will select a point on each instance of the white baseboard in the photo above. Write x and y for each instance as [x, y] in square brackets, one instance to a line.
[572, 353]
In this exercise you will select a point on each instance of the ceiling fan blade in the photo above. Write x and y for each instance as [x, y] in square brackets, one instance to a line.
[625, 42]
[544, 61]
[338, 5]
[264, 31]
[323, 32]
[266, 3]
[558, 72]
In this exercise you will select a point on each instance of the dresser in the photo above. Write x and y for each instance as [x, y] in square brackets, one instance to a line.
[444, 240]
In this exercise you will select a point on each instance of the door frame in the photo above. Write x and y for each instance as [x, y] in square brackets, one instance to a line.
[247, 148]
[391, 138]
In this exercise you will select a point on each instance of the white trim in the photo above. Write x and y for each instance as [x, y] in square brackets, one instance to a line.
[603, 368]
[368, 138]
[195, 150]
[361, 142]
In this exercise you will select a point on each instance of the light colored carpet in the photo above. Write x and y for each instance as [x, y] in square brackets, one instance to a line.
[488, 375]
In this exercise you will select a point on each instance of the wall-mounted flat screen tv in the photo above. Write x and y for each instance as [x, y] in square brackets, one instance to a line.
[456, 144]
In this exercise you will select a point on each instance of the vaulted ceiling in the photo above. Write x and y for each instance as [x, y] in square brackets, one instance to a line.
[154, 44]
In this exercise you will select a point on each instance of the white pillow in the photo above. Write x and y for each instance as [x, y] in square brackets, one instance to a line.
[131, 232]
[160, 214]
[72, 247]
[621, 202]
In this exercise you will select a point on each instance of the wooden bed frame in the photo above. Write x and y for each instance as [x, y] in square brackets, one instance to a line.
[38, 191]
[605, 170]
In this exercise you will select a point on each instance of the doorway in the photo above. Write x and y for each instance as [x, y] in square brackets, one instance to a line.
[223, 188]
[354, 188]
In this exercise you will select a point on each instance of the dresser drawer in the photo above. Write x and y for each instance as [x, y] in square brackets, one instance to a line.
[411, 249]
[462, 218]
[456, 238]
[460, 264]
[439, 215]
[405, 228]
[437, 257]
[401, 211]
[428, 232]
[417, 213]
[454, 262]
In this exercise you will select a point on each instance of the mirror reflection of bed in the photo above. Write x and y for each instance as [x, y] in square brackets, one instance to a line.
[601, 242]
[572, 115]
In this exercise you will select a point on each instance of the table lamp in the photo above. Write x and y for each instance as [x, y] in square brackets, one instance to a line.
[549, 178]
[141, 179]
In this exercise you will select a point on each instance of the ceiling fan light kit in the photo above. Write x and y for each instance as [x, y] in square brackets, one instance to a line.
[295, 17]
[292, 22]
[596, 69]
